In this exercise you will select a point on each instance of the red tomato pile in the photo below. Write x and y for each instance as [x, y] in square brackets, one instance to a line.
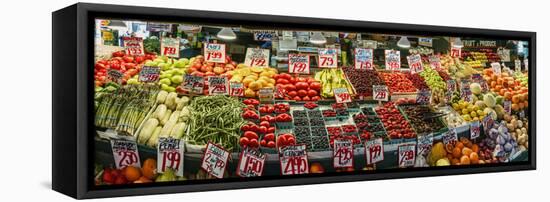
[395, 124]
[127, 65]
[286, 139]
[200, 67]
[398, 83]
[268, 139]
[298, 88]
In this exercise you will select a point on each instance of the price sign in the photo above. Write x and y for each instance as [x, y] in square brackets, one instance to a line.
[149, 74]
[374, 151]
[393, 59]
[517, 65]
[364, 59]
[423, 97]
[114, 75]
[236, 89]
[451, 85]
[265, 95]
[328, 57]
[521, 114]
[466, 93]
[507, 106]
[496, 68]
[170, 155]
[504, 54]
[298, 63]
[214, 160]
[133, 46]
[280, 92]
[435, 62]
[415, 63]
[455, 52]
[406, 155]
[263, 36]
[251, 163]
[257, 57]
[125, 153]
[450, 136]
[342, 154]
[526, 64]
[170, 47]
[425, 144]
[293, 160]
[380, 93]
[487, 122]
[342, 95]
[474, 130]
[217, 85]
[214, 52]
[425, 42]
[193, 84]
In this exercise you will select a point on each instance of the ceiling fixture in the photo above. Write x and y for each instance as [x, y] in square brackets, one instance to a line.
[458, 43]
[116, 24]
[317, 38]
[226, 34]
[404, 42]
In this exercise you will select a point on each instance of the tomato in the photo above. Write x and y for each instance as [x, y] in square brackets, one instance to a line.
[311, 93]
[280, 86]
[99, 66]
[310, 80]
[315, 86]
[275, 76]
[302, 93]
[282, 81]
[297, 98]
[263, 143]
[254, 143]
[250, 135]
[290, 140]
[281, 141]
[271, 144]
[262, 130]
[290, 87]
[302, 86]
[292, 93]
[265, 123]
[243, 141]
[301, 79]
[315, 98]
[271, 129]
[306, 98]
[245, 128]
[269, 137]
[292, 80]
[128, 59]
[285, 76]
[254, 128]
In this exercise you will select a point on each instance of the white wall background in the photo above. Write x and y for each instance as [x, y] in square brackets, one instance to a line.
[25, 46]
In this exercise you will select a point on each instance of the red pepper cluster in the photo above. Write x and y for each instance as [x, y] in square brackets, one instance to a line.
[266, 109]
[283, 118]
[280, 108]
[268, 139]
[251, 103]
[286, 139]
[250, 114]
[395, 124]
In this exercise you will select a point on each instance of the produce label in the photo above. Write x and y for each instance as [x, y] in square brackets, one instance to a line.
[266, 95]
[406, 155]
[293, 160]
[504, 54]
[133, 46]
[393, 59]
[517, 65]
[507, 106]
[217, 85]
[214, 160]
[342, 154]
[526, 64]
[435, 62]
[328, 57]
[364, 59]
[263, 36]
[380, 93]
[125, 153]
[193, 84]
[425, 144]
[450, 136]
[487, 122]
[170, 155]
[415, 63]
[342, 95]
[280, 92]
[114, 75]
[149, 74]
[451, 85]
[474, 130]
[298, 63]
[423, 97]
[257, 57]
[496, 68]
[374, 151]
[466, 93]
[455, 52]
[521, 114]
[236, 89]
[214, 52]
[251, 163]
[477, 78]
[170, 47]
[425, 42]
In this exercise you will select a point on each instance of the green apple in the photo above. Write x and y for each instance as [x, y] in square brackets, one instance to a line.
[159, 60]
[179, 64]
[179, 71]
[177, 79]
[151, 63]
[164, 87]
[166, 81]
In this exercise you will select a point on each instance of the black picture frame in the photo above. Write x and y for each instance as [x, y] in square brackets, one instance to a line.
[72, 99]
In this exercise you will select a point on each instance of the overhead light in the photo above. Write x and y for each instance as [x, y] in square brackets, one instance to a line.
[227, 34]
[116, 24]
[404, 42]
[458, 43]
[317, 38]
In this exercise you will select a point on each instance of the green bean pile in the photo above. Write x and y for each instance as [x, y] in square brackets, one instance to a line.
[216, 119]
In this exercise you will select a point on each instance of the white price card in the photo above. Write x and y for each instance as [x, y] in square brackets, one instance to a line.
[507, 106]
[455, 52]
[466, 92]
[435, 62]
[342, 95]
[133, 46]
[425, 41]
[170, 47]
[406, 155]
[257, 57]
[328, 58]
[149, 74]
[265, 95]
[236, 89]
[125, 153]
[474, 130]
[424, 144]
[374, 151]
[114, 75]
[496, 68]
[393, 59]
[217, 85]
[214, 52]
[450, 137]
[298, 63]
[193, 84]
[215, 160]
[487, 122]
[526, 64]
[170, 155]
[451, 85]
[342, 154]
[380, 93]
[423, 97]
[293, 160]
[517, 65]
[251, 163]
[415, 63]
[364, 59]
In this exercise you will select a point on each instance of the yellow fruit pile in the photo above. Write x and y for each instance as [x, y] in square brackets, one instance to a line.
[253, 78]
[469, 111]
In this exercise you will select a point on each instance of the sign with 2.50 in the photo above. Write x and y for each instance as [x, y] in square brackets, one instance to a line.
[133, 46]
[293, 160]
[342, 95]
[406, 155]
[257, 57]
[364, 59]
[170, 47]
[342, 154]
[251, 163]
[214, 160]
[170, 155]
[125, 153]
[393, 59]
[217, 85]
[380, 93]
[374, 151]
[328, 57]
[193, 84]
[415, 63]
[298, 63]
[149, 74]
[214, 52]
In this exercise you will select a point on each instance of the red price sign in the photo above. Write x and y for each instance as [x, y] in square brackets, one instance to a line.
[466, 92]
[450, 137]
[170, 155]
[257, 57]
[328, 57]
[236, 89]
[456, 52]
[374, 151]
[149, 74]
[193, 84]
[342, 95]
[406, 155]
[487, 122]
[125, 153]
[415, 63]
[217, 85]
[474, 130]
[435, 62]
[425, 144]
[364, 59]
[214, 52]
[133, 46]
[423, 97]
[170, 47]
[114, 75]
[393, 59]
[251, 163]
[451, 86]
[380, 93]
[293, 160]
[507, 106]
[214, 160]
[342, 154]
[298, 63]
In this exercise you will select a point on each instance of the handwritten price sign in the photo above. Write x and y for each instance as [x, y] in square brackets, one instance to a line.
[435, 62]
[298, 63]
[293, 160]
[456, 52]
[257, 57]
[450, 136]
[125, 153]
[406, 155]
[342, 95]
[263, 36]
[149, 74]
[214, 161]
[466, 93]
[517, 65]
[423, 97]
[236, 89]
[526, 64]
[380, 93]
[170, 47]
[214, 52]
[114, 75]
[415, 63]
[193, 84]
[265, 95]
[251, 163]
[487, 122]
[374, 151]
[217, 85]
[451, 85]
[328, 58]
[496, 68]
[133, 46]
[474, 130]
[507, 106]
[170, 155]
[393, 59]
[342, 154]
[364, 59]
[425, 144]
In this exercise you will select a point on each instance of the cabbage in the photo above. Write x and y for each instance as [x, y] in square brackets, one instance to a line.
[476, 88]
[489, 100]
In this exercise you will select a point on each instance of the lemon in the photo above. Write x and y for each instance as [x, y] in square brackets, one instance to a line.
[473, 114]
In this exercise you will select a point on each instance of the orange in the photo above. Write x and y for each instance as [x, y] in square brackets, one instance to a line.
[457, 152]
[459, 145]
[132, 173]
[464, 160]
[474, 158]
[475, 148]
[466, 151]
[455, 161]
[449, 148]
[149, 168]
